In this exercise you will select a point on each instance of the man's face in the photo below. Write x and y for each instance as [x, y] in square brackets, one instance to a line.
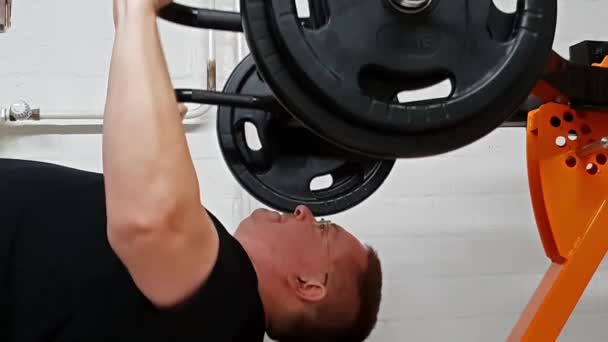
[320, 257]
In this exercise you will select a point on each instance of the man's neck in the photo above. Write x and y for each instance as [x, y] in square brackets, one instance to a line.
[259, 259]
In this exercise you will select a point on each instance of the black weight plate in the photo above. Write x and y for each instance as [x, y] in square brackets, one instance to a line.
[450, 39]
[279, 174]
[374, 125]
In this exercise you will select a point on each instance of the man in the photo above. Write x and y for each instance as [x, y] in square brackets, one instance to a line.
[132, 255]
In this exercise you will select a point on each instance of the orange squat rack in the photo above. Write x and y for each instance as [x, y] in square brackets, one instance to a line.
[567, 153]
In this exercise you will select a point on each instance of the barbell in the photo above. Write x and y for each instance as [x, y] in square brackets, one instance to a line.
[322, 87]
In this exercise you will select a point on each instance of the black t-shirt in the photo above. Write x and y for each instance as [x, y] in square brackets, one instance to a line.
[61, 281]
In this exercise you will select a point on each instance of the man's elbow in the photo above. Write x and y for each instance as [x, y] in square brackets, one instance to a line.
[154, 218]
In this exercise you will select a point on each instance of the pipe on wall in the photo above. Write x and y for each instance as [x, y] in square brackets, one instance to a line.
[5, 15]
[20, 112]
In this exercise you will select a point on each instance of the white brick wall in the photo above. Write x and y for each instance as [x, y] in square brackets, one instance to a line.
[456, 232]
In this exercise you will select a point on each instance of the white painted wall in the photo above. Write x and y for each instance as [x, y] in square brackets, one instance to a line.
[456, 232]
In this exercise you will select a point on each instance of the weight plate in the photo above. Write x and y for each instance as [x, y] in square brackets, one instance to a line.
[353, 57]
[281, 171]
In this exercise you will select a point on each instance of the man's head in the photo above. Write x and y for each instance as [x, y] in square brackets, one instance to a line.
[317, 281]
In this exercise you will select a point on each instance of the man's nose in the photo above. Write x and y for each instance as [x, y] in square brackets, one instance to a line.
[302, 211]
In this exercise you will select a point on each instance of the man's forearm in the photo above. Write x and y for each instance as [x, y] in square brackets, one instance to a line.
[147, 165]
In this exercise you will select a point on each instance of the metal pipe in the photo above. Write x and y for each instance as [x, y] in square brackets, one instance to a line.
[593, 148]
[204, 18]
[5, 15]
[21, 111]
[211, 59]
[238, 37]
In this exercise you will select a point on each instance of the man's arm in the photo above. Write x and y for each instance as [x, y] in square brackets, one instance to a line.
[156, 223]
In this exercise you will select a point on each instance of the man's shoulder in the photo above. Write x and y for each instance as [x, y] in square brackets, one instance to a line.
[38, 178]
[229, 301]
[234, 268]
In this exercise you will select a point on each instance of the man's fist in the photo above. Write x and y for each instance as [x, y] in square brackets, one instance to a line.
[158, 4]
[154, 5]
[122, 7]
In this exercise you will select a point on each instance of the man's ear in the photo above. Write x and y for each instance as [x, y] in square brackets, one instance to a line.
[308, 289]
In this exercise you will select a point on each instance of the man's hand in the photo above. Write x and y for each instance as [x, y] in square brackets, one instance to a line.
[158, 4]
[121, 7]
[155, 5]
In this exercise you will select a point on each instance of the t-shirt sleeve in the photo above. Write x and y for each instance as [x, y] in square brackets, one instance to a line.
[68, 280]
[227, 304]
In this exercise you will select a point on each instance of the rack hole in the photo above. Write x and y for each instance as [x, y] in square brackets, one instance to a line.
[571, 161]
[592, 169]
[572, 135]
[560, 141]
[555, 121]
[601, 159]
[568, 117]
[585, 129]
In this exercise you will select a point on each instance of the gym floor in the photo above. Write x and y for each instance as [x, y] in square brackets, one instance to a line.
[456, 232]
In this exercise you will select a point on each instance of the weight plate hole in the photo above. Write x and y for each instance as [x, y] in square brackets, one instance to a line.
[252, 137]
[560, 141]
[440, 90]
[506, 6]
[303, 9]
[322, 183]
[585, 129]
[314, 13]
[568, 117]
[572, 135]
[592, 169]
[555, 121]
[601, 159]
[571, 161]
